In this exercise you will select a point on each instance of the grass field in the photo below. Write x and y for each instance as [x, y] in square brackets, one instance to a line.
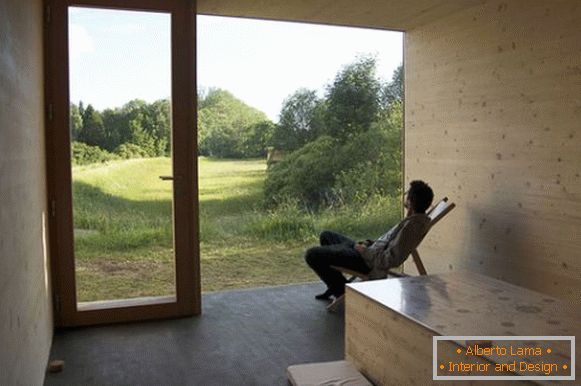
[123, 234]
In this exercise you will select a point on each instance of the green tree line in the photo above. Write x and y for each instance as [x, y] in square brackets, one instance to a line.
[227, 128]
[137, 125]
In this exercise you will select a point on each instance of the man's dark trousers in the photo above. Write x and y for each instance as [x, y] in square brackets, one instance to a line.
[337, 250]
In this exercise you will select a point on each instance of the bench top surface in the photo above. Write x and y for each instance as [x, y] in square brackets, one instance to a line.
[465, 303]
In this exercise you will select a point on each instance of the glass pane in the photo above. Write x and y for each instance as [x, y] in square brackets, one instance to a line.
[120, 123]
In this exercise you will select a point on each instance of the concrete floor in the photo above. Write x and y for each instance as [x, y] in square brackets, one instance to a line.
[244, 337]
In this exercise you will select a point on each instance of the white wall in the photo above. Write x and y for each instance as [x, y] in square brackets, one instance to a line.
[26, 327]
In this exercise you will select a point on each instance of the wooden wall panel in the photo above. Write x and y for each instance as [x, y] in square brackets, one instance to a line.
[493, 120]
[26, 325]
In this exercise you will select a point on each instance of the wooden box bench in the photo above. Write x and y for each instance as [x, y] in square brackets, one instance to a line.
[389, 324]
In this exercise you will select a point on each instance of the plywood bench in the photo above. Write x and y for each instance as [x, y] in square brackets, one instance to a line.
[389, 324]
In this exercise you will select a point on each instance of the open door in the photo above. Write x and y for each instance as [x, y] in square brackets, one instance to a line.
[123, 233]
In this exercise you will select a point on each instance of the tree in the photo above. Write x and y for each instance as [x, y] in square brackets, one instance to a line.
[155, 121]
[137, 123]
[93, 131]
[353, 154]
[393, 92]
[256, 138]
[224, 123]
[117, 128]
[352, 99]
[81, 109]
[75, 121]
[300, 120]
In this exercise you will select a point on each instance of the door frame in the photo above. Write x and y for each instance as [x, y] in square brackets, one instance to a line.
[187, 300]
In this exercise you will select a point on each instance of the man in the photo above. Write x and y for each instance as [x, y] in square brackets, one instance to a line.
[369, 257]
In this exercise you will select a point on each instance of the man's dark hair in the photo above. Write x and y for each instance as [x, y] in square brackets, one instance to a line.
[420, 195]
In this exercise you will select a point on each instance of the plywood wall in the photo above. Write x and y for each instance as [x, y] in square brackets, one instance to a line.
[25, 306]
[385, 14]
[493, 120]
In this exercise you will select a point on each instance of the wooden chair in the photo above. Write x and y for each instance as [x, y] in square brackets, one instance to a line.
[436, 213]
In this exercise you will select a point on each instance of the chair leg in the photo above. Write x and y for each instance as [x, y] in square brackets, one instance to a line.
[334, 306]
[418, 262]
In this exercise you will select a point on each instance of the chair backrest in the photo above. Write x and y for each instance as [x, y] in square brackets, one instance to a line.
[438, 211]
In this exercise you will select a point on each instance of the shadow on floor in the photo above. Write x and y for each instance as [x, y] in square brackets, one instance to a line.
[244, 337]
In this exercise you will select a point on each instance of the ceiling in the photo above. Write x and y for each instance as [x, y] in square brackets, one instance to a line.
[399, 15]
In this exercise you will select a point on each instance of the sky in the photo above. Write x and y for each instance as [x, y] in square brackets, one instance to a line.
[116, 56]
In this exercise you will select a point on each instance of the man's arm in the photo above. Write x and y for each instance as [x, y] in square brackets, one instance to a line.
[407, 239]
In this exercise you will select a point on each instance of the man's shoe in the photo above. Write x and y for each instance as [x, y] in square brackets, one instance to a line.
[325, 295]
[336, 304]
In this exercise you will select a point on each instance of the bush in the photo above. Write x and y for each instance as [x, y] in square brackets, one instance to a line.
[290, 222]
[365, 219]
[306, 175]
[328, 172]
[374, 167]
[83, 154]
[131, 150]
[287, 222]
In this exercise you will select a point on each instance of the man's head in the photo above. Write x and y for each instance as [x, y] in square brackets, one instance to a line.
[419, 196]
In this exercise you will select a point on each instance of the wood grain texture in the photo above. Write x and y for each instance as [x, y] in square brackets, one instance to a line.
[465, 303]
[390, 323]
[390, 14]
[388, 348]
[493, 105]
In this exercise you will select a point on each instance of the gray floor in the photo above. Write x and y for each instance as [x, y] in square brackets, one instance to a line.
[245, 337]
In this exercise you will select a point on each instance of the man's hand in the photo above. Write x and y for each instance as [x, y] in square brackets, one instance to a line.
[360, 247]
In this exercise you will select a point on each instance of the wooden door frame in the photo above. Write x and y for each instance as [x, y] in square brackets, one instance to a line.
[184, 144]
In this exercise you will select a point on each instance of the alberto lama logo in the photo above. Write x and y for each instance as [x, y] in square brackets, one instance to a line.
[500, 357]
[524, 353]
[503, 351]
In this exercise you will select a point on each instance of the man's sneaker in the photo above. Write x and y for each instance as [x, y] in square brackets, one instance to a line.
[337, 304]
[325, 295]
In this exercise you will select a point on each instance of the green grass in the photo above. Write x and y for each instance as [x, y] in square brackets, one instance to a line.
[123, 242]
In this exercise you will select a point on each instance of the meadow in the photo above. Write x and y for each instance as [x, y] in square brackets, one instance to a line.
[123, 228]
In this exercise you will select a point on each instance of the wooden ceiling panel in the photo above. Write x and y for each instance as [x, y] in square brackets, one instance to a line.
[384, 14]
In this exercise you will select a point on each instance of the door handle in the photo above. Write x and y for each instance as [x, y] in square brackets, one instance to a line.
[176, 177]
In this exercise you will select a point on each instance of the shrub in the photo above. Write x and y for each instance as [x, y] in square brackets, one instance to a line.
[306, 175]
[290, 222]
[374, 166]
[83, 154]
[131, 150]
[366, 179]
[328, 172]
[364, 219]
[287, 222]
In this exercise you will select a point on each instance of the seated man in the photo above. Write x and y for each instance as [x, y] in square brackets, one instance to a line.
[369, 257]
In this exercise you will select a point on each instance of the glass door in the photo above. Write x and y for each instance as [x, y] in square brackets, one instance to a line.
[121, 155]
[122, 160]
